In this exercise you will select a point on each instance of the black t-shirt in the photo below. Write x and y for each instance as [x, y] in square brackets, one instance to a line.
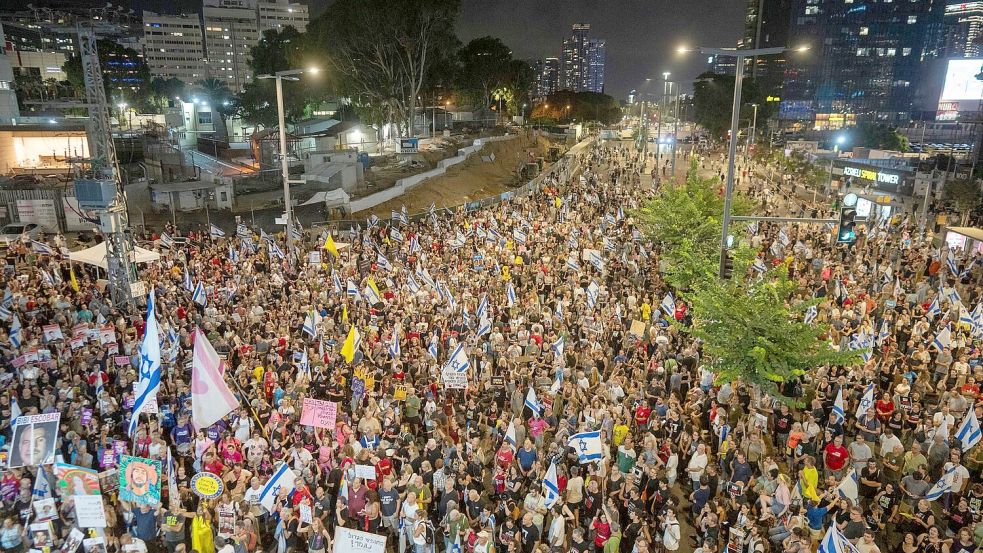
[872, 475]
[530, 536]
[783, 423]
[294, 540]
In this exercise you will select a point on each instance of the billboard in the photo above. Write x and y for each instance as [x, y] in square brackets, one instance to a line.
[961, 90]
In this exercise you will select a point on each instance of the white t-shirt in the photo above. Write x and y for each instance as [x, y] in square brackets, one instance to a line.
[959, 476]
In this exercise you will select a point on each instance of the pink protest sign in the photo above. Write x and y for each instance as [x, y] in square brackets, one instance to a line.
[319, 413]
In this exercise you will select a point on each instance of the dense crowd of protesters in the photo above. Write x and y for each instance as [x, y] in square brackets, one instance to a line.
[687, 463]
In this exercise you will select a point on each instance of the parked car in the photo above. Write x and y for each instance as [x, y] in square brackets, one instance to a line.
[14, 231]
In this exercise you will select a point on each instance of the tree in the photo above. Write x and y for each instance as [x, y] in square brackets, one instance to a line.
[164, 90]
[753, 334]
[713, 100]
[881, 136]
[685, 221]
[124, 73]
[583, 106]
[485, 67]
[221, 102]
[384, 53]
[965, 194]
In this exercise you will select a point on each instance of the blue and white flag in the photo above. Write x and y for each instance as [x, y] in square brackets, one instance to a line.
[883, 334]
[16, 332]
[849, 486]
[532, 403]
[595, 259]
[352, 289]
[412, 284]
[242, 231]
[510, 434]
[41, 248]
[943, 339]
[943, 486]
[42, 486]
[519, 235]
[811, 314]
[668, 305]
[216, 232]
[572, 263]
[558, 346]
[593, 292]
[458, 361]
[5, 313]
[950, 263]
[304, 365]
[838, 414]
[395, 235]
[759, 265]
[309, 326]
[283, 478]
[199, 296]
[969, 432]
[149, 367]
[587, 445]
[166, 241]
[275, 251]
[372, 220]
[836, 542]
[482, 308]
[866, 402]
[551, 487]
[510, 294]
[337, 284]
[15, 411]
[415, 244]
[432, 347]
[233, 254]
[484, 327]
[933, 309]
[394, 349]
[188, 284]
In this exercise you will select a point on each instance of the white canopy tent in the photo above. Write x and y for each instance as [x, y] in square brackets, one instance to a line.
[96, 255]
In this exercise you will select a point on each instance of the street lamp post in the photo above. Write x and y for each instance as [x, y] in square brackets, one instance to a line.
[280, 76]
[662, 110]
[675, 130]
[754, 128]
[740, 56]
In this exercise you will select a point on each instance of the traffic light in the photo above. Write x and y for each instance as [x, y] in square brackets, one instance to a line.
[726, 264]
[848, 220]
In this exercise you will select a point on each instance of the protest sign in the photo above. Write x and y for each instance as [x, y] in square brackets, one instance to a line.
[207, 485]
[454, 380]
[34, 440]
[73, 541]
[355, 541]
[89, 511]
[139, 480]
[94, 545]
[319, 413]
[44, 509]
[52, 332]
[365, 472]
[226, 519]
[72, 480]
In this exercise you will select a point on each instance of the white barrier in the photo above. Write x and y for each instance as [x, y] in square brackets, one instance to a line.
[407, 183]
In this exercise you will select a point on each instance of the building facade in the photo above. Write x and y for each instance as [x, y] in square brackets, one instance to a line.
[547, 72]
[231, 30]
[277, 15]
[766, 25]
[963, 25]
[865, 61]
[174, 46]
[582, 61]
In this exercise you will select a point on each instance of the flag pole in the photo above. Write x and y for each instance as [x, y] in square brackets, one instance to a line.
[251, 410]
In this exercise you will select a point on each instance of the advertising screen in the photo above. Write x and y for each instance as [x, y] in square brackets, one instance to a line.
[961, 82]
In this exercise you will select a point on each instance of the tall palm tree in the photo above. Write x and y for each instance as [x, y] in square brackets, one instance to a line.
[220, 99]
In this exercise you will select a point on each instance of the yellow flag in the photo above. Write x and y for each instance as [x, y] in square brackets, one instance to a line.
[344, 313]
[376, 296]
[72, 279]
[351, 344]
[330, 246]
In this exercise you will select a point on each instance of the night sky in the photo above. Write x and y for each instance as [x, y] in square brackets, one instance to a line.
[642, 35]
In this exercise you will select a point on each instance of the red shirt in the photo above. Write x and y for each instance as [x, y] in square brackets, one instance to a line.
[835, 456]
[642, 414]
[504, 457]
[884, 408]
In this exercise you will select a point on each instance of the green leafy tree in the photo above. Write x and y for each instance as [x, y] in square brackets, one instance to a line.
[965, 194]
[753, 334]
[713, 100]
[485, 64]
[881, 136]
[566, 106]
[384, 54]
[164, 90]
[124, 73]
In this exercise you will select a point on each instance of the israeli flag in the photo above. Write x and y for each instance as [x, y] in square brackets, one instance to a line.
[233, 254]
[296, 234]
[458, 361]
[264, 237]
[372, 220]
[305, 363]
[242, 231]
[41, 248]
[352, 289]
[519, 235]
[572, 263]
[943, 486]
[415, 244]
[595, 260]
[432, 348]
[15, 332]
[394, 349]
[943, 339]
[836, 542]
[551, 488]
[510, 434]
[609, 245]
[558, 346]
[149, 383]
[950, 262]
[42, 486]
[412, 284]
[849, 486]
[275, 251]
[811, 314]
[668, 305]
[283, 478]
[587, 445]
[216, 232]
[866, 402]
[510, 294]
[933, 309]
[838, 414]
[759, 265]
[166, 241]
[308, 326]
[15, 411]
[5, 313]
[383, 263]
[395, 235]
[394, 215]
[482, 308]
[593, 291]
[969, 432]
[965, 317]
[484, 327]
[883, 334]
[532, 403]
[199, 296]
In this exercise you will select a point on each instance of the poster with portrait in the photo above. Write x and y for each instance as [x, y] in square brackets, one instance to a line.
[72, 480]
[45, 510]
[34, 440]
[139, 480]
[42, 535]
[94, 545]
[73, 541]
